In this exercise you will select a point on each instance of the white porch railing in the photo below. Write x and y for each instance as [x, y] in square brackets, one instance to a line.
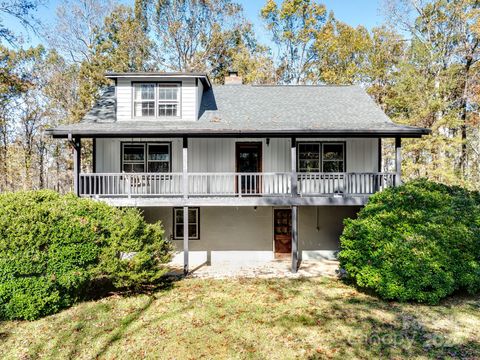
[232, 184]
[315, 184]
[131, 184]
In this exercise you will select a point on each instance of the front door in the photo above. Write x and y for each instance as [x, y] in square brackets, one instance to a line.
[282, 232]
[249, 160]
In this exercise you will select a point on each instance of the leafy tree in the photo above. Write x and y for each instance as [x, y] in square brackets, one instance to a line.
[442, 69]
[22, 10]
[195, 35]
[342, 52]
[294, 25]
[119, 45]
[74, 32]
[15, 80]
[246, 55]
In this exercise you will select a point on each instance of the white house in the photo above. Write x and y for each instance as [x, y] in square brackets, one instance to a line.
[236, 172]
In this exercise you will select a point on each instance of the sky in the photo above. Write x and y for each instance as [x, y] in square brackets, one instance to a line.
[353, 12]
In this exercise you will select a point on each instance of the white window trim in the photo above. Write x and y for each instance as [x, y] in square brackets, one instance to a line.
[146, 145]
[141, 101]
[323, 161]
[197, 223]
[320, 145]
[157, 101]
[132, 161]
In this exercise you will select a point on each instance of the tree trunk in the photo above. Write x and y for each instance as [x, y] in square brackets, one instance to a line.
[464, 109]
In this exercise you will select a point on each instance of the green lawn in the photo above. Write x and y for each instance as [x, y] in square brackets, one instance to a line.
[276, 319]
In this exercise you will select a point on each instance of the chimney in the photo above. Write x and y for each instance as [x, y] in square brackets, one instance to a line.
[232, 78]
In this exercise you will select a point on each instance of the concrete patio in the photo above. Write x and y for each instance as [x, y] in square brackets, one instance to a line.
[270, 269]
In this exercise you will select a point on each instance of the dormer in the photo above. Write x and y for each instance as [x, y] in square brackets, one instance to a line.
[154, 96]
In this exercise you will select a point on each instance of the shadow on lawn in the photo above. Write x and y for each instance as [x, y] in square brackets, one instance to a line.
[77, 333]
[124, 326]
[399, 332]
[357, 325]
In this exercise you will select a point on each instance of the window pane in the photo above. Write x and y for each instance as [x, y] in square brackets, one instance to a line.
[159, 152]
[309, 151]
[167, 110]
[179, 230]
[309, 165]
[333, 166]
[146, 109]
[192, 216]
[309, 157]
[145, 92]
[136, 167]
[168, 93]
[192, 231]
[133, 153]
[332, 152]
[158, 166]
[179, 216]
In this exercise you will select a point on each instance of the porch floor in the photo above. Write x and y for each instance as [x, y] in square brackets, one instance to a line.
[271, 269]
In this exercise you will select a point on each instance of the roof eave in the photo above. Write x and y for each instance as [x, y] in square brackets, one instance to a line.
[404, 133]
[203, 77]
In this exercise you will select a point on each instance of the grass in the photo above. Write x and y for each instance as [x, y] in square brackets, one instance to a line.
[250, 318]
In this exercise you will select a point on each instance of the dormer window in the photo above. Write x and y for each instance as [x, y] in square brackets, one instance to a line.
[156, 100]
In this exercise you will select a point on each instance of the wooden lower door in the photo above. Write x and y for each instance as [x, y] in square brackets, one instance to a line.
[282, 232]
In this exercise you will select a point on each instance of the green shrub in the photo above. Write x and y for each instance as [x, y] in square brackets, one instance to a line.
[418, 242]
[53, 248]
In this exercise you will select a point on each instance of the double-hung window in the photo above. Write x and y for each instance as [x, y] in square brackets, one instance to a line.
[156, 100]
[321, 157]
[309, 157]
[144, 100]
[146, 157]
[193, 223]
[168, 100]
[333, 157]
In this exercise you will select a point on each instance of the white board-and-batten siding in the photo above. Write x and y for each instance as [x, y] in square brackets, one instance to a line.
[218, 155]
[189, 98]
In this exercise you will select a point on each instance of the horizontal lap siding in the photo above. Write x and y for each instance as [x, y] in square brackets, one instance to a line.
[189, 103]
[124, 100]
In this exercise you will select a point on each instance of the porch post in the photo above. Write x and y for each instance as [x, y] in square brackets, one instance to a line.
[294, 179]
[398, 161]
[94, 155]
[294, 239]
[185, 167]
[185, 240]
[185, 208]
[77, 151]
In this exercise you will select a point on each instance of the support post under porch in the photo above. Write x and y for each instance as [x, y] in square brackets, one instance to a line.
[185, 240]
[77, 152]
[294, 191]
[294, 238]
[398, 161]
[185, 208]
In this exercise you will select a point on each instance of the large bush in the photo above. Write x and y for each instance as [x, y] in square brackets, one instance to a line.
[418, 242]
[54, 248]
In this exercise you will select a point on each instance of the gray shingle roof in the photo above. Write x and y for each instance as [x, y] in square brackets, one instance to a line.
[244, 109]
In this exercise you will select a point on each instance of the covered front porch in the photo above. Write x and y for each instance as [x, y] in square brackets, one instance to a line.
[188, 188]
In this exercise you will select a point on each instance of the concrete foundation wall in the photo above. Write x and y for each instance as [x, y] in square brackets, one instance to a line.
[245, 234]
